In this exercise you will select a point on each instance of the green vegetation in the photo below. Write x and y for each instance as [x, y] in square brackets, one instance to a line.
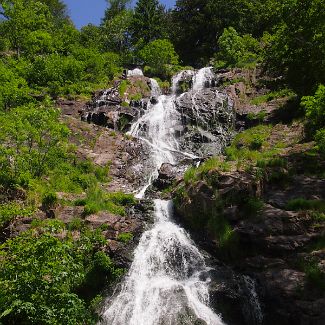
[303, 204]
[237, 51]
[11, 210]
[51, 273]
[125, 237]
[41, 275]
[273, 95]
[158, 55]
[202, 172]
[315, 113]
[98, 200]
[251, 145]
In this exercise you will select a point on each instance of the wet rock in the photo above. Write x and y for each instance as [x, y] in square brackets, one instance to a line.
[207, 119]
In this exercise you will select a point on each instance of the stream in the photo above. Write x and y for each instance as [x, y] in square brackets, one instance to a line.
[168, 281]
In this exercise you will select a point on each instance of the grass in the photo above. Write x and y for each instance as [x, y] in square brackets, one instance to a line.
[272, 95]
[123, 87]
[252, 206]
[299, 204]
[260, 116]
[125, 237]
[97, 200]
[203, 171]
[314, 274]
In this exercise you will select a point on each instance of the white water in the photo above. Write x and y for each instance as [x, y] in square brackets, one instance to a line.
[167, 283]
[135, 72]
[202, 77]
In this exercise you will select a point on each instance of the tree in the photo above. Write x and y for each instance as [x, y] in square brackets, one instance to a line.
[158, 54]
[26, 22]
[31, 142]
[115, 7]
[58, 11]
[14, 90]
[116, 32]
[235, 50]
[297, 48]
[148, 22]
[91, 36]
[198, 23]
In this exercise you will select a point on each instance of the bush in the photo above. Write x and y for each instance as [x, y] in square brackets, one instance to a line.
[315, 109]
[158, 55]
[32, 142]
[320, 141]
[125, 237]
[236, 50]
[43, 272]
[14, 90]
[11, 210]
[50, 200]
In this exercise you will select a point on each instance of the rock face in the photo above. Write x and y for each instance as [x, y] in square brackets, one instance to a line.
[207, 121]
[116, 107]
[275, 247]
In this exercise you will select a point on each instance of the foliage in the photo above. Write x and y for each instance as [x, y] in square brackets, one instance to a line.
[40, 274]
[320, 140]
[303, 204]
[236, 50]
[11, 210]
[49, 200]
[115, 7]
[116, 203]
[272, 95]
[203, 171]
[148, 22]
[14, 90]
[158, 54]
[31, 139]
[27, 26]
[315, 108]
[116, 32]
[297, 48]
[125, 237]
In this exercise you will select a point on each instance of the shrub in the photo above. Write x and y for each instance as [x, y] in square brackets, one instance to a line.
[49, 200]
[236, 50]
[43, 273]
[315, 109]
[320, 141]
[125, 237]
[11, 210]
[158, 55]
[76, 224]
[303, 204]
[14, 90]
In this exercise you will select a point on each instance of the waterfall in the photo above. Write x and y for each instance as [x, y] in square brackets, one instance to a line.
[168, 281]
[135, 72]
[203, 78]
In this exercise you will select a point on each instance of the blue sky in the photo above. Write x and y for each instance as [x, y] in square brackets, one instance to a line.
[84, 12]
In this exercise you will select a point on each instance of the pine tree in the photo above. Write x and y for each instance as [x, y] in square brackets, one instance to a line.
[148, 21]
[115, 7]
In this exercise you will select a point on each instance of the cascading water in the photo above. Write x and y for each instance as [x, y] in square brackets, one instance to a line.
[167, 283]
